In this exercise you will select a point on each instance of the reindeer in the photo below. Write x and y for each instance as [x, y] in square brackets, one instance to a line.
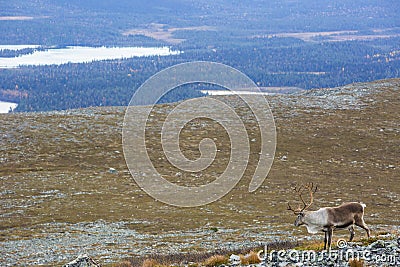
[329, 218]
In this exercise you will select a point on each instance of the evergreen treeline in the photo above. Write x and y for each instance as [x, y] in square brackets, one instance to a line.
[268, 63]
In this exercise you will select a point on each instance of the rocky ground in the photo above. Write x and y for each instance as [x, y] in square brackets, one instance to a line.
[379, 253]
[65, 188]
[382, 252]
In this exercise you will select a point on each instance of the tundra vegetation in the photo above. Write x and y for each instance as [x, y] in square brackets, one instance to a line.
[59, 193]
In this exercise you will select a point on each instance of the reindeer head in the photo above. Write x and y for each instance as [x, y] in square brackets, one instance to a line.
[301, 212]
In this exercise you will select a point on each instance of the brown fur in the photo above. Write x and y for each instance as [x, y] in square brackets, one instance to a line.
[345, 215]
[341, 214]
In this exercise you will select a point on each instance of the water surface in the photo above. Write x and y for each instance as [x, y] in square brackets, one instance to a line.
[80, 54]
[5, 106]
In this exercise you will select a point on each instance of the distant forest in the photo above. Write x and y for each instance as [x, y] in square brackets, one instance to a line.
[247, 35]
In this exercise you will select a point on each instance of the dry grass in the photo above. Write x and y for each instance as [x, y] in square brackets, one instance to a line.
[249, 258]
[150, 263]
[216, 260]
[356, 263]
[123, 264]
[196, 258]
[312, 245]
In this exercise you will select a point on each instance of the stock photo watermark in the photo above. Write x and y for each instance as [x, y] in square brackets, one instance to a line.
[343, 253]
[137, 115]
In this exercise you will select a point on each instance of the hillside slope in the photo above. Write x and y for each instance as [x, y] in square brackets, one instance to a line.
[59, 196]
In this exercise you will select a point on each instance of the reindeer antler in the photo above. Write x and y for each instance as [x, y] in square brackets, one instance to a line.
[290, 208]
[299, 189]
[311, 189]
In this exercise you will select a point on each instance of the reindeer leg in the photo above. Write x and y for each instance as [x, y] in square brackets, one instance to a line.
[351, 229]
[330, 233]
[325, 239]
[360, 222]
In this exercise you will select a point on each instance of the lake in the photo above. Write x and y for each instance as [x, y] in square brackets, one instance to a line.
[5, 106]
[229, 92]
[78, 54]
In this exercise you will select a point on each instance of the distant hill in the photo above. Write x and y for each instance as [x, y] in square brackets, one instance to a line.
[101, 22]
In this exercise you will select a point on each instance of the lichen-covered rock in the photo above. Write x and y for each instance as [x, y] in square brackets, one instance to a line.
[82, 260]
[377, 244]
